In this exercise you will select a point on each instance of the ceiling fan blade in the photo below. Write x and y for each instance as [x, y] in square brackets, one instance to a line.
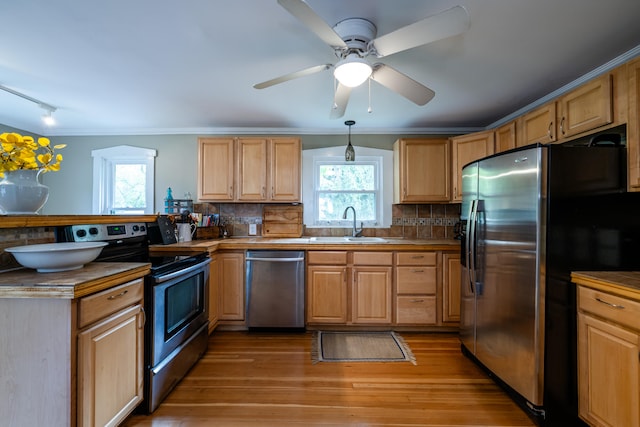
[435, 27]
[402, 84]
[291, 76]
[317, 25]
[341, 100]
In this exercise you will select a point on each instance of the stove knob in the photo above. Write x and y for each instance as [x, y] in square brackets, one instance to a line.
[136, 228]
[93, 231]
[142, 228]
[81, 233]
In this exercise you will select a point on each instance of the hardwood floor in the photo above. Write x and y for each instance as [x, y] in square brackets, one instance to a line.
[268, 379]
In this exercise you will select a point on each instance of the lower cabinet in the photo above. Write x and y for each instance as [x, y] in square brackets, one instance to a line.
[416, 288]
[608, 359]
[110, 354]
[214, 292]
[231, 286]
[369, 287]
[73, 362]
[375, 288]
[451, 276]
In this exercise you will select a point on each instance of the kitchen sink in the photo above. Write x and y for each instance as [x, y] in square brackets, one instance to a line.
[346, 239]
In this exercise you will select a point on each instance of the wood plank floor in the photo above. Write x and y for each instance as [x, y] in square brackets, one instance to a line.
[268, 379]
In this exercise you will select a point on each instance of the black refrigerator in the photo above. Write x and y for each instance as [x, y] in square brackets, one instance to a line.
[530, 216]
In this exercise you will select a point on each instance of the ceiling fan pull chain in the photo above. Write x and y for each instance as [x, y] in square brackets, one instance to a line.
[369, 110]
[335, 89]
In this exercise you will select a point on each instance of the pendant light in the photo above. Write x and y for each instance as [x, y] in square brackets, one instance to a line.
[350, 153]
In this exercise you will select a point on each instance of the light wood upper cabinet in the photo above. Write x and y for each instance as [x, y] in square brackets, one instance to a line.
[538, 126]
[466, 149]
[216, 159]
[633, 129]
[506, 137]
[421, 170]
[585, 108]
[249, 169]
[285, 169]
[608, 359]
[252, 169]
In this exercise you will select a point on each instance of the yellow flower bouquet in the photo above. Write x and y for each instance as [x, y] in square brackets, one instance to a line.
[23, 152]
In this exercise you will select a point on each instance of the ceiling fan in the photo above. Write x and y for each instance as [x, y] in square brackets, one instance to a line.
[354, 43]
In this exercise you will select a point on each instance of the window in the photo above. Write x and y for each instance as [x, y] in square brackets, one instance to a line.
[123, 180]
[339, 184]
[330, 185]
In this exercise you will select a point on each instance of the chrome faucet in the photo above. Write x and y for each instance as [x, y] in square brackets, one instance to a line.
[356, 232]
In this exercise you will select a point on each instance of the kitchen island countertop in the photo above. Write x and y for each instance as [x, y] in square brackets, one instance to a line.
[93, 277]
[623, 283]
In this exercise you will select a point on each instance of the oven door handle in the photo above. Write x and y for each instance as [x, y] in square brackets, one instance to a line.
[166, 277]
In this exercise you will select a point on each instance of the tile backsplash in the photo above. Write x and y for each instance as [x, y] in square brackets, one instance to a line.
[430, 222]
[10, 237]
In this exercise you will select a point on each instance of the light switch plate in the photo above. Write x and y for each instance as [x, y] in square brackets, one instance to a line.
[252, 229]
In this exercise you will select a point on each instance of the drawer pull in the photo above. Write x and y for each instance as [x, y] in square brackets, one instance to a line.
[417, 257]
[417, 300]
[121, 294]
[417, 271]
[617, 306]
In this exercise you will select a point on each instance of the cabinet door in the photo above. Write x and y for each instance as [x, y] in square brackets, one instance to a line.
[633, 137]
[215, 168]
[326, 294]
[451, 288]
[608, 374]
[231, 286]
[586, 108]
[252, 169]
[371, 295]
[539, 125]
[214, 293]
[422, 170]
[506, 137]
[110, 368]
[285, 170]
[465, 149]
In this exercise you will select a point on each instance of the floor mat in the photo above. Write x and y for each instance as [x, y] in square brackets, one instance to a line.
[360, 347]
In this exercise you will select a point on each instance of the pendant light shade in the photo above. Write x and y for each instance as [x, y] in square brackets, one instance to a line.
[349, 153]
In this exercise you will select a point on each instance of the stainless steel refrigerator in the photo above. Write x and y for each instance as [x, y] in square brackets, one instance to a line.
[531, 216]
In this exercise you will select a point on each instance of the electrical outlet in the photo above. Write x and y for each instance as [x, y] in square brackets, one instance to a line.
[252, 229]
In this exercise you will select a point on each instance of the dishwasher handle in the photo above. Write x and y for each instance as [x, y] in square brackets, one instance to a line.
[274, 259]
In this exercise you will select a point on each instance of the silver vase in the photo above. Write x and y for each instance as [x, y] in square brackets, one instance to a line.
[22, 193]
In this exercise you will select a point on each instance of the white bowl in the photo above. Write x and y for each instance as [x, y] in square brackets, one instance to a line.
[52, 257]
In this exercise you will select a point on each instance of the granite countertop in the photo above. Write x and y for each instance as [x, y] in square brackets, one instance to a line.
[623, 283]
[93, 277]
[307, 243]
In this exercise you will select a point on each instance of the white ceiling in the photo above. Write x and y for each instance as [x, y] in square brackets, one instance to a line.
[166, 66]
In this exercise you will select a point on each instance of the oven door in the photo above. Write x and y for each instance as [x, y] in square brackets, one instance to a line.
[178, 302]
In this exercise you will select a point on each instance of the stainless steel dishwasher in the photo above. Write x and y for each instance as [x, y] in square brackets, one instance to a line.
[275, 289]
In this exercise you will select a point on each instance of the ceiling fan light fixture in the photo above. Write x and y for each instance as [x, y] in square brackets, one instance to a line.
[352, 71]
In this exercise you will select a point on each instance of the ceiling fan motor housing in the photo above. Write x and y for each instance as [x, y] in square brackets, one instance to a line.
[356, 33]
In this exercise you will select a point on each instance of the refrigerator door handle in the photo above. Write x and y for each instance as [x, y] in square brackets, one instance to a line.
[470, 244]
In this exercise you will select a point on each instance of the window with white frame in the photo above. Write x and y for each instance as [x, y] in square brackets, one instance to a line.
[339, 184]
[123, 180]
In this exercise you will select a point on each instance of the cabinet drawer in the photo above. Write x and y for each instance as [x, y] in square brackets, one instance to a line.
[373, 258]
[95, 307]
[327, 257]
[418, 309]
[416, 280]
[416, 258]
[620, 310]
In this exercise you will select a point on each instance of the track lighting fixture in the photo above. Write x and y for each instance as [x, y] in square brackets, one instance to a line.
[47, 117]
